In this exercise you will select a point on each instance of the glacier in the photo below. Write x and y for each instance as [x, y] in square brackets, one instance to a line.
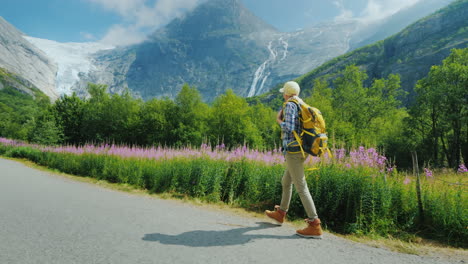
[73, 59]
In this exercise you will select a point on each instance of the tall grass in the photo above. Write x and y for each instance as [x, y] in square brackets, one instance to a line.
[354, 192]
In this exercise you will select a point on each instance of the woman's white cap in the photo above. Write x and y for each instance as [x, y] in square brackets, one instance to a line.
[290, 88]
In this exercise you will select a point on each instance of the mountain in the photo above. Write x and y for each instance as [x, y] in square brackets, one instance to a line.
[219, 45]
[22, 58]
[409, 53]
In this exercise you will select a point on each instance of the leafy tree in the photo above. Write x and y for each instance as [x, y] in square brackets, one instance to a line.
[122, 110]
[109, 118]
[364, 114]
[191, 117]
[440, 112]
[384, 114]
[263, 119]
[350, 95]
[348, 101]
[381, 97]
[322, 99]
[17, 111]
[95, 126]
[5, 120]
[230, 122]
[156, 121]
[68, 111]
[45, 129]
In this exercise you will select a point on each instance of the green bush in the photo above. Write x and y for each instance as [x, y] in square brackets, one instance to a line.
[446, 213]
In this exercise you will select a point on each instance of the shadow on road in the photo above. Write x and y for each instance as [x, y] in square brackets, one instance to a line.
[201, 238]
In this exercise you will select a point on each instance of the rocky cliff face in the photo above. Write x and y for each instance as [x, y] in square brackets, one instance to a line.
[110, 67]
[24, 59]
[217, 46]
[308, 49]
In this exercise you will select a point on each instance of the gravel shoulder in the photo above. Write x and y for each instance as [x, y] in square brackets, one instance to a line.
[45, 218]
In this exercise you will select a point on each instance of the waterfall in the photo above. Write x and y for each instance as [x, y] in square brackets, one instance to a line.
[257, 75]
[262, 73]
[285, 47]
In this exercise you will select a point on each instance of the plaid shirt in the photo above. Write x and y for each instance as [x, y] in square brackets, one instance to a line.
[291, 122]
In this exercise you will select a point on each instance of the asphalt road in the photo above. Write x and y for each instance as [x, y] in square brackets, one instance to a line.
[45, 218]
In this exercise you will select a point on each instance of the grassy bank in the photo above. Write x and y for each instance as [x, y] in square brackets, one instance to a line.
[353, 194]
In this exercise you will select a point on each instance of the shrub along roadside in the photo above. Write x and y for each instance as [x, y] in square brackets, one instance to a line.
[349, 200]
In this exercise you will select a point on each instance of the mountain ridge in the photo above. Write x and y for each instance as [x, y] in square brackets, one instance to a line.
[19, 56]
[409, 53]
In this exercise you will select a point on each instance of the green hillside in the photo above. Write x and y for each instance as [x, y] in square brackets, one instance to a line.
[410, 53]
[19, 103]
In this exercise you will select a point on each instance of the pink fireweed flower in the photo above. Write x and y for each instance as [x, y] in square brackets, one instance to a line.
[407, 180]
[360, 157]
[462, 168]
[428, 173]
[367, 158]
[220, 147]
[8, 142]
[205, 147]
[339, 154]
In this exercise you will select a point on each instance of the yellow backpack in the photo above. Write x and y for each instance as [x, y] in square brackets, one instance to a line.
[312, 138]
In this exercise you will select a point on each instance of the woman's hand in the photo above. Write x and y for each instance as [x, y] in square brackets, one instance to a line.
[279, 117]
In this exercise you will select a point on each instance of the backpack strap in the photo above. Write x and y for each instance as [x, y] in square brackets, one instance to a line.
[296, 136]
[299, 141]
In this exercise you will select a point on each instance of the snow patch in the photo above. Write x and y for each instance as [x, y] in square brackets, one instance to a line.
[73, 60]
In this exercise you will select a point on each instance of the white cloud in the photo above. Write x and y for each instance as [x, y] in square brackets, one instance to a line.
[140, 16]
[122, 7]
[87, 36]
[345, 14]
[374, 9]
[379, 9]
[119, 35]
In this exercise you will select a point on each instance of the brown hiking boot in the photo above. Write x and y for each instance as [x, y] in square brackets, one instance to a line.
[276, 216]
[313, 229]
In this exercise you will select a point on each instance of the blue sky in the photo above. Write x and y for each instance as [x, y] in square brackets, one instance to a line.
[128, 21]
